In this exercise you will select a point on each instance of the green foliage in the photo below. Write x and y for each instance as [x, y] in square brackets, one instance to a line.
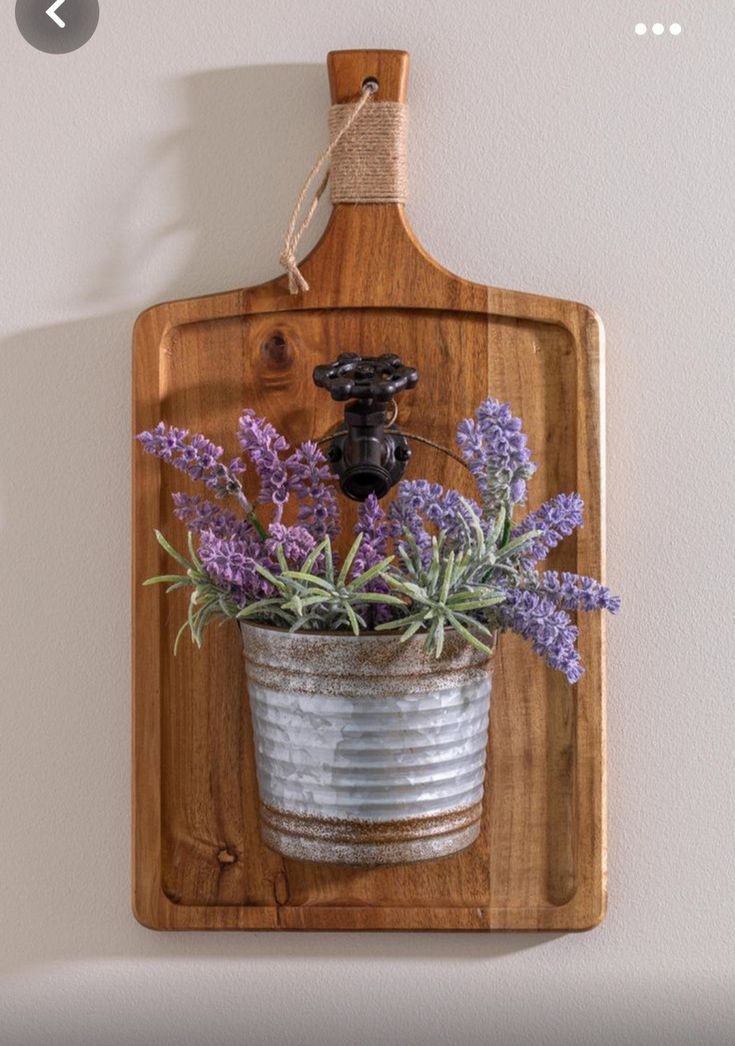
[443, 596]
[458, 588]
[207, 601]
[317, 597]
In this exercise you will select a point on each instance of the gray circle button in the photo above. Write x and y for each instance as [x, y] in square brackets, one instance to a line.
[57, 26]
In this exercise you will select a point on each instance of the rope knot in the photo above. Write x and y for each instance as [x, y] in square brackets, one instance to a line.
[296, 281]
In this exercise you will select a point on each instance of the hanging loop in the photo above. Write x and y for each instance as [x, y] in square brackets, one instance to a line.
[287, 259]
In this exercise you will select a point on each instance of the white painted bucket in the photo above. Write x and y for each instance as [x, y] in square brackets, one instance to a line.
[368, 751]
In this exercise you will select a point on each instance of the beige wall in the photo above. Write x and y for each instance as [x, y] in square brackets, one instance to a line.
[553, 150]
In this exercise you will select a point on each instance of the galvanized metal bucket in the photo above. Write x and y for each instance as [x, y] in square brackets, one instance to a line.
[367, 750]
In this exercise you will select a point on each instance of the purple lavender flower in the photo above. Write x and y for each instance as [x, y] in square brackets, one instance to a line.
[163, 441]
[199, 515]
[375, 529]
[447, 512]
[406, 512]
[198, 457]
[419, 502]
[552, 635]
[312, 482]
[576, 592]
[231, 564]
[296, 542]
[232, 561]
[372, 524]
[495, 450]
[263, 444]
[555, 519]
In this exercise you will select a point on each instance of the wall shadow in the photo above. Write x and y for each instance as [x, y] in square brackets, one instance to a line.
[234, 170]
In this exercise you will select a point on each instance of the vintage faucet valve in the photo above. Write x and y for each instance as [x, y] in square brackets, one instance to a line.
[367, 457]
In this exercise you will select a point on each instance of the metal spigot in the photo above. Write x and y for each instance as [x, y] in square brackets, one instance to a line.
[368, 457]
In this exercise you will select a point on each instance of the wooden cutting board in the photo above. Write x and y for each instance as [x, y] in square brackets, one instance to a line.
[198, 862]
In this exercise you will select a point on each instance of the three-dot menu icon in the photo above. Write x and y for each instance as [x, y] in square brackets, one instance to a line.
[658, 29]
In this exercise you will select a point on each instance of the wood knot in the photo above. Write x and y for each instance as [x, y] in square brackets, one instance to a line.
[276, 352]
[225, 857]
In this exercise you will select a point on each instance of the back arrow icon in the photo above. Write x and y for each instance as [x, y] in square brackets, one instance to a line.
[52, 13]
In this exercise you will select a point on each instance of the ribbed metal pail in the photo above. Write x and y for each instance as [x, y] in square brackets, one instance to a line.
[367, 750]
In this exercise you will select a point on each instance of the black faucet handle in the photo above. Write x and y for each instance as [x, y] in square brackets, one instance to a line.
[369, 378]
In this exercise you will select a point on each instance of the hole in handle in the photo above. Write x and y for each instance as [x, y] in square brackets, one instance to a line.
[371, 83]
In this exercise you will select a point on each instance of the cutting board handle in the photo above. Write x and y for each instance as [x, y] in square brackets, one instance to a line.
[348, 71]
[364, 246]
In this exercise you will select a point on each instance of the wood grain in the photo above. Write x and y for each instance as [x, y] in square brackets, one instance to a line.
[198, 862]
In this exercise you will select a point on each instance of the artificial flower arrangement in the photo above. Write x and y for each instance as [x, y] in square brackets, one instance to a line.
[369, 675]
[435, 560]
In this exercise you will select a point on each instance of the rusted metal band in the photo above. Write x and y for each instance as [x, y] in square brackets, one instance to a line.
[337, 830]
[365, 845]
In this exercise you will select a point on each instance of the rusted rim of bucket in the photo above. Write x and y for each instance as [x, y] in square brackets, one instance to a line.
[342, 663]
[417, 639]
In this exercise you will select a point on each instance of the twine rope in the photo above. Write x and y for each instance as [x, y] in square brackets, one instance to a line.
[367, 160]
[369, 163]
